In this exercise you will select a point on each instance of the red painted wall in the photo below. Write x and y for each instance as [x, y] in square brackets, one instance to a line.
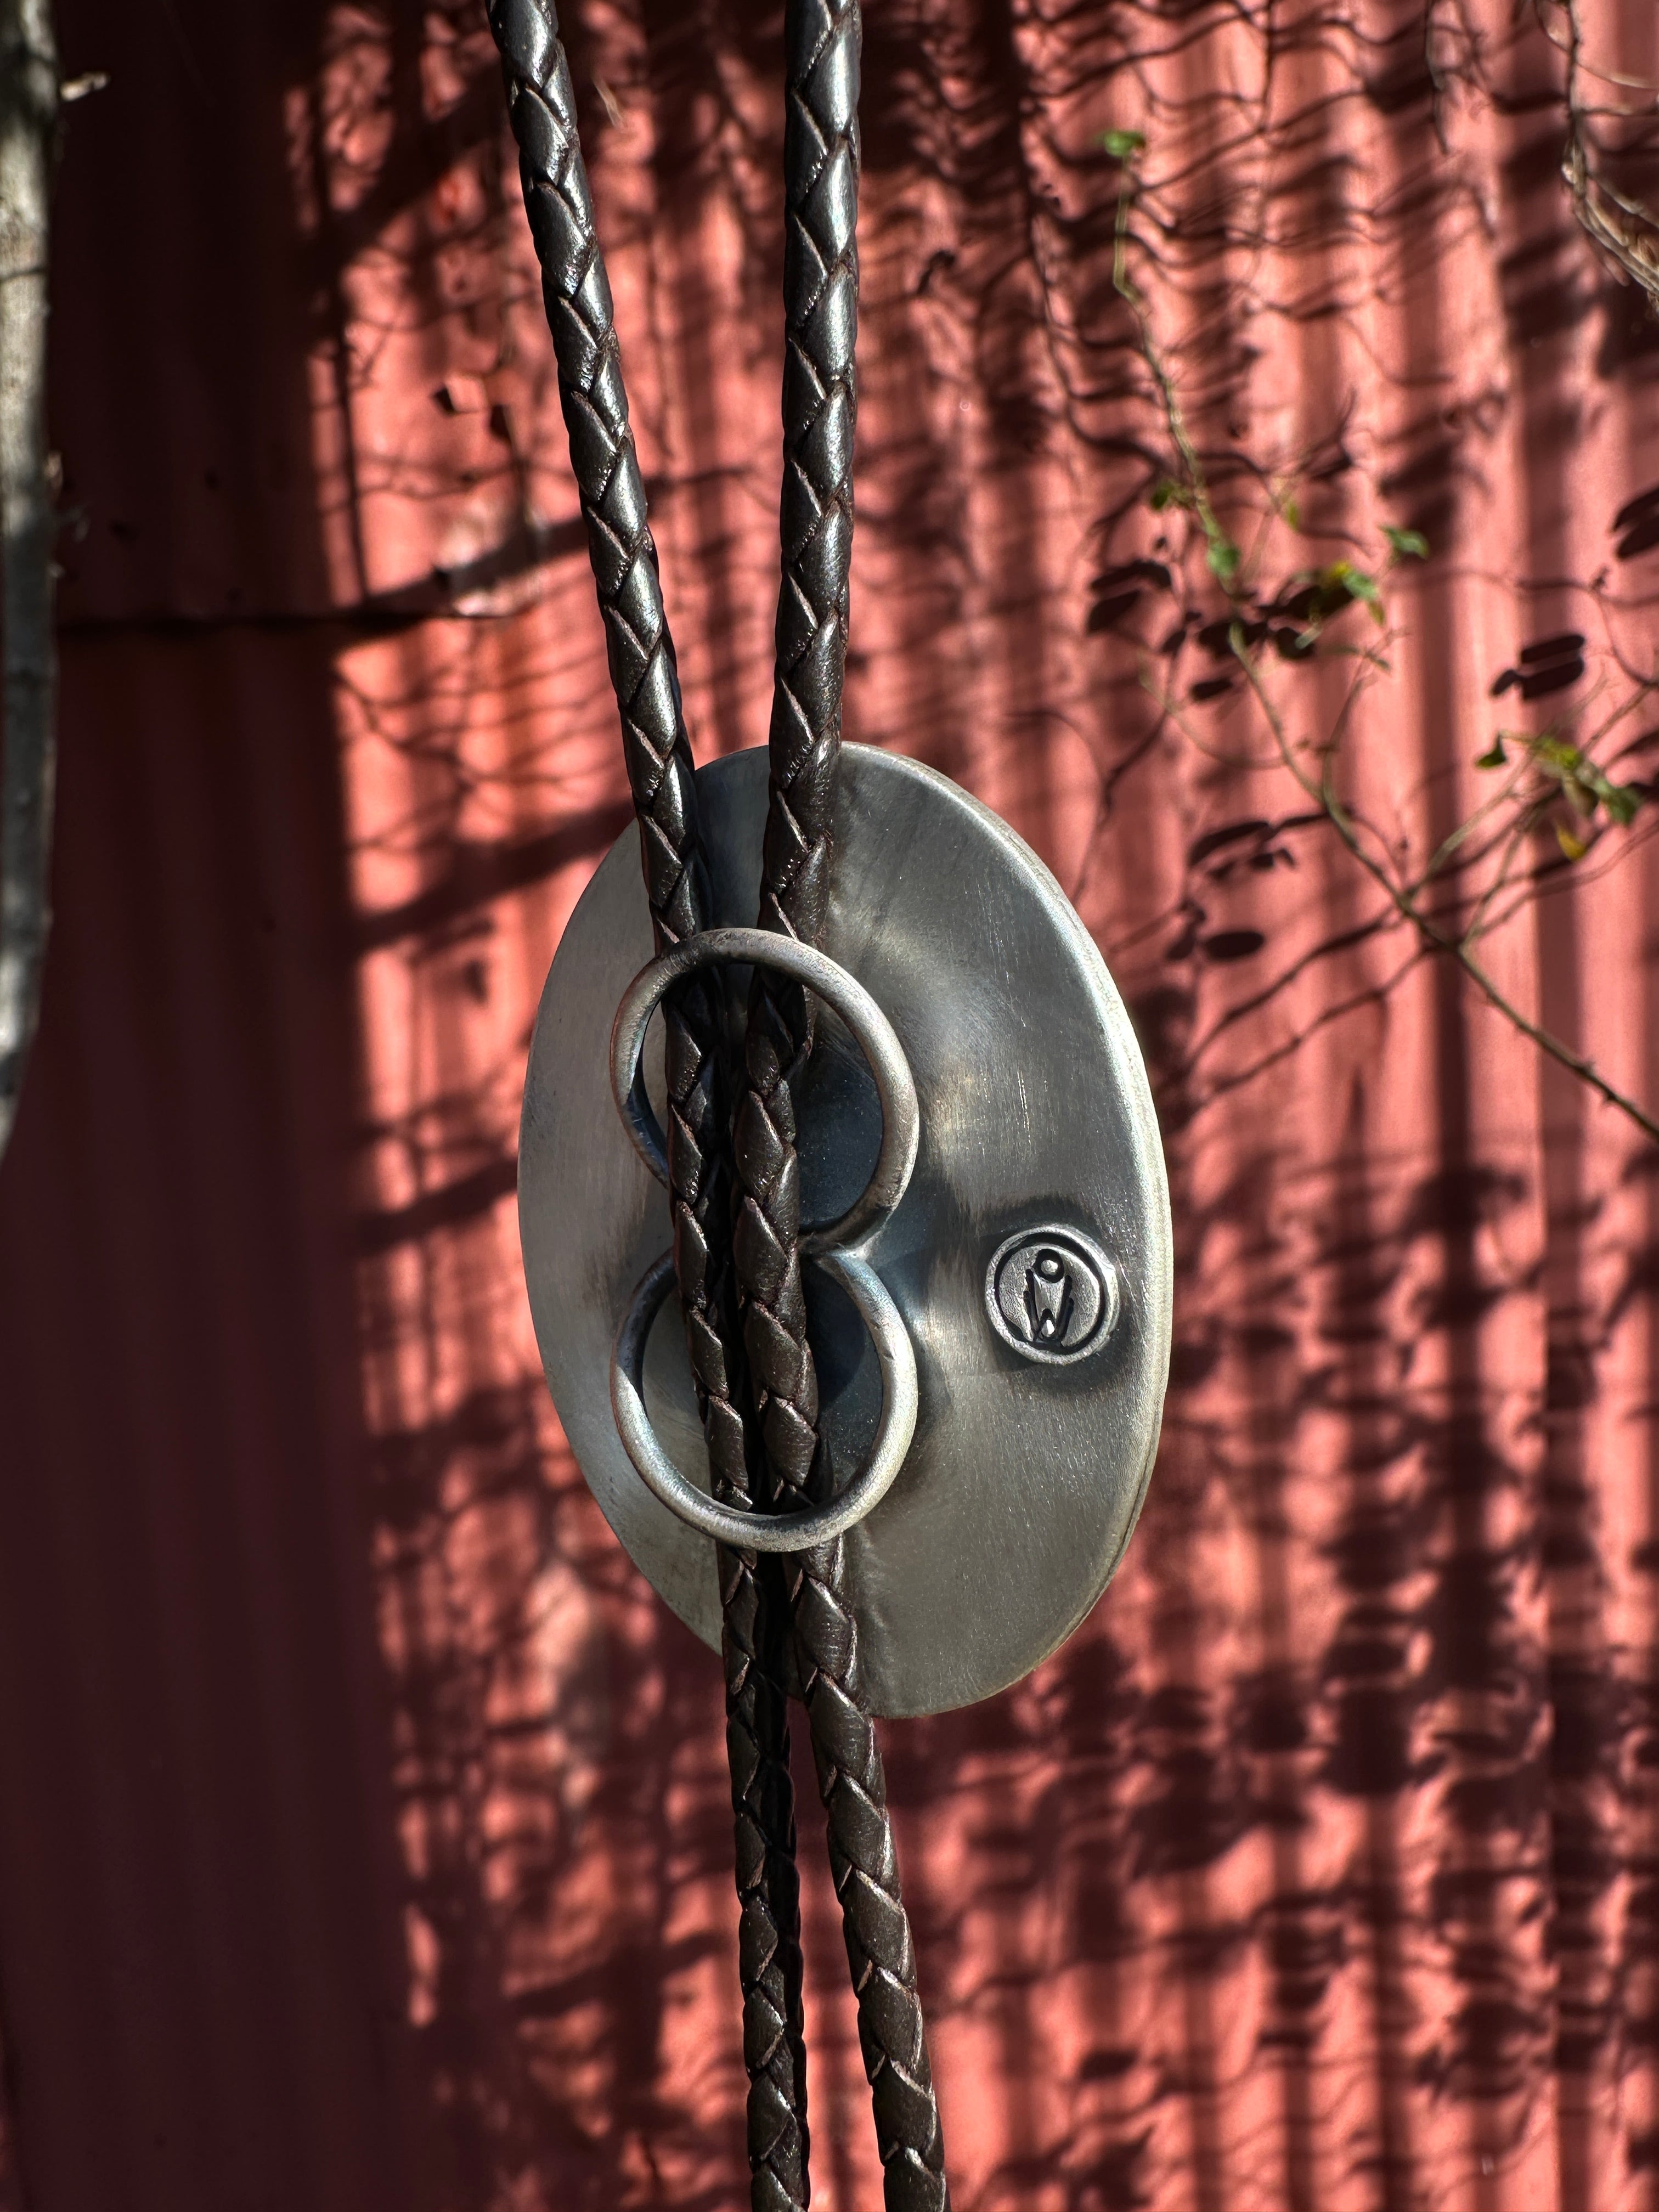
[364, 1838]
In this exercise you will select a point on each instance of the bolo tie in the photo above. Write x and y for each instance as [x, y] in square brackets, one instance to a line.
[890, 1452]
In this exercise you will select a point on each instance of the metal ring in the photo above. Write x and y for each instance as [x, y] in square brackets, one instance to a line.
[878, 1040]
[771, 1532]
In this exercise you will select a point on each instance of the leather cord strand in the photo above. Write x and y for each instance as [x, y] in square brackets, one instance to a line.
[820, 287]
[577, 296]
[821, 169]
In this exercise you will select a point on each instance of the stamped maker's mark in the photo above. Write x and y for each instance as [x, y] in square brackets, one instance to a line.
[1052, 1293]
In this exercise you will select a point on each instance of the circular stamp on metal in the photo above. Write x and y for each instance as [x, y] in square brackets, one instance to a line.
[1052, 1293]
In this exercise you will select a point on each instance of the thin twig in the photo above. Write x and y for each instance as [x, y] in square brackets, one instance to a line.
[1223, 559]
[28, 126]
[1225, 564]
[1443, 941]
[1520, 836]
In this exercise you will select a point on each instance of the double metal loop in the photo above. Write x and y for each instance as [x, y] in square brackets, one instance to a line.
[901, 1119]
[900, 1135]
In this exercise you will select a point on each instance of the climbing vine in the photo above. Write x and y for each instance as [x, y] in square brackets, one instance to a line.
[1563, 798]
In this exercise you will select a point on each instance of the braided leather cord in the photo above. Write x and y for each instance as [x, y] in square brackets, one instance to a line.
[577, 296]
[821, 163]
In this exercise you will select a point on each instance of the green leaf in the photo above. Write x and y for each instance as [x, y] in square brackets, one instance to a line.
[1121, 145]
[1497, 757]
[1622, 801]
[1291, 512]
[1358, 585]
[1221, 558]
[1167, 493]
[1406, 544]
[1574, 848]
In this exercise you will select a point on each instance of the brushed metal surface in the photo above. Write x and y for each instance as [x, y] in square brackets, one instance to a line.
[1024, 1478]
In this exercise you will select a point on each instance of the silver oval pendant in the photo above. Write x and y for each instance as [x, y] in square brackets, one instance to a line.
[1028, 1258]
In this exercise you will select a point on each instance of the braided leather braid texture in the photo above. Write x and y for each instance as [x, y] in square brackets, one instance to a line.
[864, 1866]
[755, 1616]
[821, 166]
[820, 158]
[542, 107]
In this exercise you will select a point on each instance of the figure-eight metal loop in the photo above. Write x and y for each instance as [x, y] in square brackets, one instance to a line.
[900, 1133]
[767, 1532]
[766, 948]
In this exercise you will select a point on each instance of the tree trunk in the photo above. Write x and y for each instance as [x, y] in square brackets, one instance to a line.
[28, 124]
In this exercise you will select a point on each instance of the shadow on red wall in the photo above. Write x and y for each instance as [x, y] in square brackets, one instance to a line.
[367, 1840]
